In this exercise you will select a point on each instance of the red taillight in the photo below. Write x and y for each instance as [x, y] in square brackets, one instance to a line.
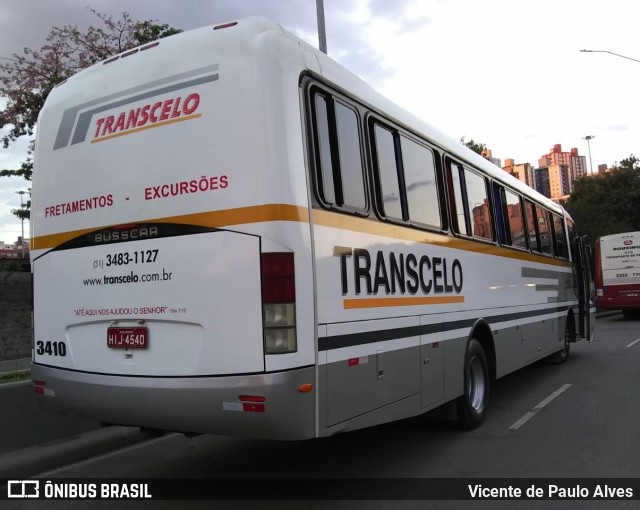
[278, 278]
[252, 398]
[38, 387]
[278, 302]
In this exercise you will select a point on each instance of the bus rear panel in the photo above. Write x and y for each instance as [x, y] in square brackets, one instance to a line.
[169, 263]
[618, 272]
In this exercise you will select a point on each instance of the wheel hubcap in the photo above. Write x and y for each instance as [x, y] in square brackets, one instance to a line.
[476, 385]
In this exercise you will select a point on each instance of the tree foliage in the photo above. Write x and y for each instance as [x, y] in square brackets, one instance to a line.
[476, 147]
[26, 80]
[607, 204]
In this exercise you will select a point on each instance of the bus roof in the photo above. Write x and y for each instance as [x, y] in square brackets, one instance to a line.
[241, 31]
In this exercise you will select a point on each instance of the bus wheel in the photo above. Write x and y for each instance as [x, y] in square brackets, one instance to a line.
[632, 314]
[472, 405]
[561, 356]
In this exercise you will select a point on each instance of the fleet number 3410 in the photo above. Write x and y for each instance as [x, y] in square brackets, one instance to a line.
[51, 348]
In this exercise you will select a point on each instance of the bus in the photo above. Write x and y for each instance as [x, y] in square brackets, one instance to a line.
[617, 261]
[233, 234]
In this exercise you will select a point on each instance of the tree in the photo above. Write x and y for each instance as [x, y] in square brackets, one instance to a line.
[476, 147]
[607, 204]
[26, 80]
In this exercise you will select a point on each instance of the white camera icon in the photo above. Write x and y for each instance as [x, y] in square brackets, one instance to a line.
[23, 489]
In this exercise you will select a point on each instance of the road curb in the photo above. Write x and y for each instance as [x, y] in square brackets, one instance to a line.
[608, 313]
[14, 365]
[38, 459]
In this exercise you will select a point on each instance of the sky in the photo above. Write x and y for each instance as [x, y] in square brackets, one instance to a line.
[505, 73]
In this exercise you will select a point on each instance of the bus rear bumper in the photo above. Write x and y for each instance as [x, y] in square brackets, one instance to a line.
[267, 406]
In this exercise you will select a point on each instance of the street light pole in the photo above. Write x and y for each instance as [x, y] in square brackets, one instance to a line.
[610, 53]
[21, 193]
[588, 138]
[322, 34]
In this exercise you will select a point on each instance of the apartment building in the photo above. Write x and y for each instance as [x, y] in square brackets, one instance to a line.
[576, 164]
[523, 172]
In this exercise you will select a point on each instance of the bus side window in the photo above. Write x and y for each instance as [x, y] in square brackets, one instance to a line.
[350, 151]
[515, 217]
[478, 203]
[532, 230]
[339, 175]
[472, 203]
[418, 164]
[386, 156]
[459, 223]
[499, 209]
[326, 186]
[542, 218]
[559, 237]
[406, 177]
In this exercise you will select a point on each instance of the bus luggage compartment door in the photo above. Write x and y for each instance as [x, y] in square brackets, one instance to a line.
[186, 305]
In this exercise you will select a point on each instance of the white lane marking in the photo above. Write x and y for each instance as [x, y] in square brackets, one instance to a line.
[539, 407]
[633, 343]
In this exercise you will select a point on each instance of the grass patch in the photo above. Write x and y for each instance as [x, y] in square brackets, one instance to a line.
[22, 375]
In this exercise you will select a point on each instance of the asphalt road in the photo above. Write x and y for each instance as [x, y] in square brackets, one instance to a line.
[25, 424]
[577, 420]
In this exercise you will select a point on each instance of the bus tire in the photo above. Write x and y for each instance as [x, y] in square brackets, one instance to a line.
[557, 358]
[631, 314]
[472, 405]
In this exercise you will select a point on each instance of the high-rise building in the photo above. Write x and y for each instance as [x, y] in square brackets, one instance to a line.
[559, 181]
[542, 181]
[523, 172]
[486, 154]
[576, 164]
[553, 181]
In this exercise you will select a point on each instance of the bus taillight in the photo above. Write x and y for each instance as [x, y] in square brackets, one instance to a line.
[278, 302]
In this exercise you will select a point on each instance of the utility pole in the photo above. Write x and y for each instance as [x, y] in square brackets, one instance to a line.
[322, 34]
[588, 138]
[21, 193]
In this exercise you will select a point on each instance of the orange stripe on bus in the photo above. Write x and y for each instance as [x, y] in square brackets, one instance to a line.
[286, 212]
[225, 218]
[367, 226]
[350, 304]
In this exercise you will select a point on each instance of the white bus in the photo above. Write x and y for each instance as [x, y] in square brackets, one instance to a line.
[617, 261]
[232, 234]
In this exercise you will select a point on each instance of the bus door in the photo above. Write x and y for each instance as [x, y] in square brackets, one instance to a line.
[591, 291]
[583, 284]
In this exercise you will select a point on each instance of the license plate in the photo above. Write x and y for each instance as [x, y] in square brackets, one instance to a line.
[127, 338]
